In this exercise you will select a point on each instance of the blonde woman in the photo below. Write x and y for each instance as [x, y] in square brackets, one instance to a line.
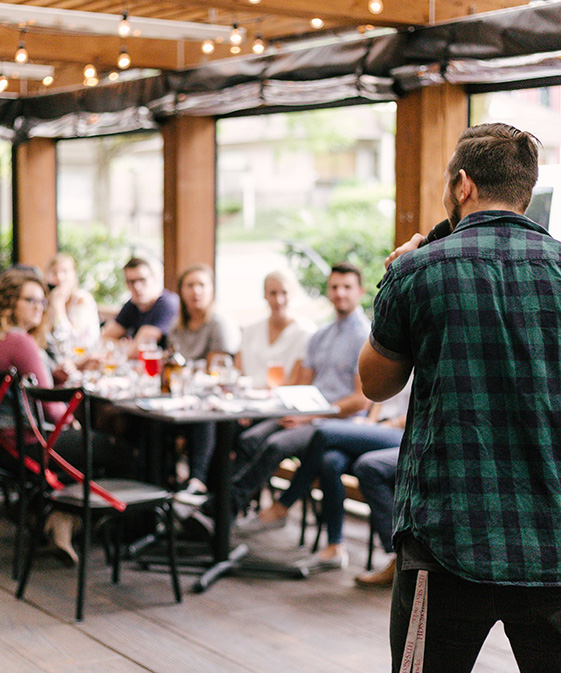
[281, 339]
[72, 310]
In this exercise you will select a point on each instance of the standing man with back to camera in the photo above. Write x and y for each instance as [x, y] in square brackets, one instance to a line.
[477, 519]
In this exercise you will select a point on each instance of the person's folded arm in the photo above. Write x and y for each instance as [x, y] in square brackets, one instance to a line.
[382, 377]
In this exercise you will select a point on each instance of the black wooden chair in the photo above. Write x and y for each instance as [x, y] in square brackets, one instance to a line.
[13, 477]
[107, 502]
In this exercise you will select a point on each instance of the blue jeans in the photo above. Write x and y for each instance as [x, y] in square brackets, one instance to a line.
[460, 615]
[261, 450]
[336, 444]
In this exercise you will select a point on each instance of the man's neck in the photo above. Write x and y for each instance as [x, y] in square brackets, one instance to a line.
[480, 206]
[147, 305]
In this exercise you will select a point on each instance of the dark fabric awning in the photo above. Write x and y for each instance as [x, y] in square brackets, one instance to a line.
[490, 51]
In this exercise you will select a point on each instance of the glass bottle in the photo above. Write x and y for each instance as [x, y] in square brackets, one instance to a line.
[173, 363]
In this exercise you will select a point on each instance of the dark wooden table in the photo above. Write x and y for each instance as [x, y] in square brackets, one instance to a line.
[154, 424]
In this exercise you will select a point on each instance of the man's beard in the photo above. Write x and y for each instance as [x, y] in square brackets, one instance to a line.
[455, 216]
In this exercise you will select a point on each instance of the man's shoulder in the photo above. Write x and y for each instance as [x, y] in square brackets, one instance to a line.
[168, 298]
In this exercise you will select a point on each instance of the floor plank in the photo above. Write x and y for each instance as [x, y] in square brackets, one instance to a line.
[243, 624]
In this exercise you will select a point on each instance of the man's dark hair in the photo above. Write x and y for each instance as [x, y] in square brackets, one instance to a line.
[500, 159]
[135, 262]
[347, 267]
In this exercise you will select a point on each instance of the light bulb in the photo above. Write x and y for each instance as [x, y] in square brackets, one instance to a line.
[124, 29]
[124, 59]
[91, 81]
[90, 71]
[235, 49]
[3, 82]
[113, 76]
[235, 35]
[376, 6]
[48, 80]
[254, 2]
[21, 55]
[258, 45]
[317, 23]
[207, 46]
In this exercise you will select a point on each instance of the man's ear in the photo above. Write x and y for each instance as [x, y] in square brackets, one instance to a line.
[466, 187]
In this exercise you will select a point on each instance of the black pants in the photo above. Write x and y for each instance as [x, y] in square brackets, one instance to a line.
[460, 615]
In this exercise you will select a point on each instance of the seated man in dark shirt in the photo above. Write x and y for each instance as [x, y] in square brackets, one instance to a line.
[150, 312]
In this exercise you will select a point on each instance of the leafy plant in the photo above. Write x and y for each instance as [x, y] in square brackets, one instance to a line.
[5, 247]
[100, 257]
[357, 230]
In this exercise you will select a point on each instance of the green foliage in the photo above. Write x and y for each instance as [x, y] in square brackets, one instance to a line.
[5, 247]
[100, 257]
[358, 230]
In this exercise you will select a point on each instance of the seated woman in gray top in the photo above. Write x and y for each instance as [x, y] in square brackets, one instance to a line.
[200, 333]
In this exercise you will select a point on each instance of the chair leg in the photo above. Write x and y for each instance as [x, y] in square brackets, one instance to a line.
[166, 515]
[316, 507]
[304, 522]
[117, 538]
[20, 526]
[24, 573]
[370, 545]
[82, 566]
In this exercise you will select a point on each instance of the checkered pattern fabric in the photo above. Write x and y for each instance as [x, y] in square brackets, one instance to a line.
[479, 477]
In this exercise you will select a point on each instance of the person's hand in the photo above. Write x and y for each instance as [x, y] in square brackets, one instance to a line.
[412, 244]
[57, 302]
[289, 422]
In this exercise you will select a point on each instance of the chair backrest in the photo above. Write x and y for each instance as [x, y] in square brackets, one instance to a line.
[11, 416]
[76, 400]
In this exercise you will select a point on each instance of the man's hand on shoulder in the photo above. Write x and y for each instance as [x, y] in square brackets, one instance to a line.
[412, 244]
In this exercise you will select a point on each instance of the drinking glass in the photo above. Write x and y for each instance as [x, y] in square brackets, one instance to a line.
[275, 375]
[221, 366]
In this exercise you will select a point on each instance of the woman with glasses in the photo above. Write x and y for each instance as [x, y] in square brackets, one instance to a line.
[23, 328]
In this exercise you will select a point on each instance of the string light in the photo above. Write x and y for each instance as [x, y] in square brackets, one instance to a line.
[91, 81]
[376, 6]
[48, 80]
[235, 36]
[3, 83]
[254, 2]
[207, 46]
[124, 60]
[235, 49]
[113, 76]
[90, 71]
[124, 29]
[21, 54]
[258, 45]
[317, 23]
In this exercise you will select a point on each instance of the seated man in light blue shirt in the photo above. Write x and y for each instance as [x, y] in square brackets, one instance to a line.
[331, 365]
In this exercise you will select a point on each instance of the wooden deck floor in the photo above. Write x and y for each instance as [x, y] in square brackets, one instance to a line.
[242, 624]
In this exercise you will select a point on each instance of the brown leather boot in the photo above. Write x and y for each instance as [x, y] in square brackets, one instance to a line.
[383, 578]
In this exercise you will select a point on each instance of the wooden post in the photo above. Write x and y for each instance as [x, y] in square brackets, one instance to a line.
[189, 194]
[428, 124]
[34, 202]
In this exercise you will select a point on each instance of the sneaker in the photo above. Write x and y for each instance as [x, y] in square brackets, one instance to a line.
[317, 564]
[382, 578]
[250, 525]
[192, 495]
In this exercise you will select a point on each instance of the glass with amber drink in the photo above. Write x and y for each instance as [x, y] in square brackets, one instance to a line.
[275, 375]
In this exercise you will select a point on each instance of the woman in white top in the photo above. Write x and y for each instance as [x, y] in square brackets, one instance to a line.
[279, 340]
[72, 310]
